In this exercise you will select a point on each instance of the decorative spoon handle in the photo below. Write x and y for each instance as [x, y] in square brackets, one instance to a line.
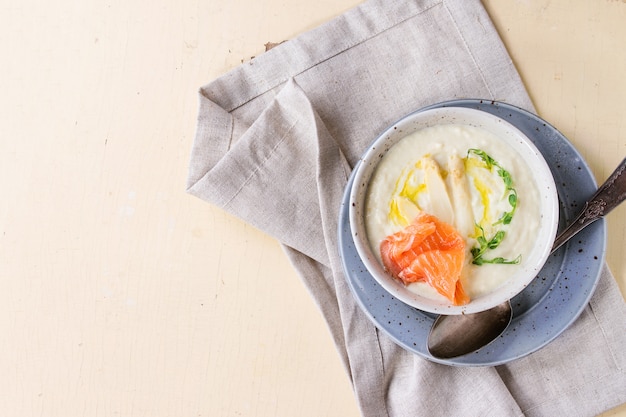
[607, 197]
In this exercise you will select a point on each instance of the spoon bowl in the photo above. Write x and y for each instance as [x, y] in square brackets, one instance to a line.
[485, 327]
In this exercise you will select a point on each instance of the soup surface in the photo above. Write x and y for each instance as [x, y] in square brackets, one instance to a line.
[467, 177]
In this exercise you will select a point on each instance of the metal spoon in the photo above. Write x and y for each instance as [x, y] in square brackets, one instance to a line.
[457, 335]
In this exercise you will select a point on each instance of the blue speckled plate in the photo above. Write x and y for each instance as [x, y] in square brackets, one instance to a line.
[548, 305]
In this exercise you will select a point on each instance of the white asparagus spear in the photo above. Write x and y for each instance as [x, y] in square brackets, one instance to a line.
[406, 209]
[461, 199]
[440, 205]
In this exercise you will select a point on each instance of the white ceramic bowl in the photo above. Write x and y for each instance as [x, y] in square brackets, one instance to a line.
[515, 139]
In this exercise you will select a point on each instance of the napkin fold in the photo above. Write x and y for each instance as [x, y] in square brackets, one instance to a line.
[276, 140]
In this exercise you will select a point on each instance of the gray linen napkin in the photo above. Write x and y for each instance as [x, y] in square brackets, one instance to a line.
[276, 140]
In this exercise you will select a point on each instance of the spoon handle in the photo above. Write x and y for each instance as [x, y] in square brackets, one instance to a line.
[606, 198]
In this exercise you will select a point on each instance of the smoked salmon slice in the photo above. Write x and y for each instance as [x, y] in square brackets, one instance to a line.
[428, 250]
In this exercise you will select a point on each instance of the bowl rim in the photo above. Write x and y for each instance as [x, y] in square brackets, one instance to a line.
[421, 119]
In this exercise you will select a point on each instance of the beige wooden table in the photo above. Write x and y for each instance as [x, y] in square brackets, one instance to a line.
[120, 295]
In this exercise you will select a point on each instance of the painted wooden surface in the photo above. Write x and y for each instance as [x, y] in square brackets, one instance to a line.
[120, 295]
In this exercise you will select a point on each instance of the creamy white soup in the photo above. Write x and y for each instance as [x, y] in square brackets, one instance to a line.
[465, 176]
